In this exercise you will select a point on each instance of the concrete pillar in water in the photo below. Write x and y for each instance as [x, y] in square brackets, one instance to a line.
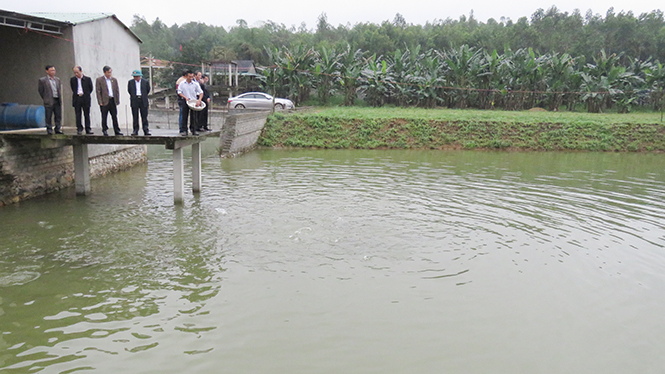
[178, 176]
[81, 169]
[196, 167]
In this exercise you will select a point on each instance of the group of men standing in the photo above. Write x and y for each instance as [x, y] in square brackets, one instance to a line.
[108, 97]
[192, 88]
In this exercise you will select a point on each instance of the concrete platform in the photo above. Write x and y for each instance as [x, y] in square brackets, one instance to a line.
[171, 139]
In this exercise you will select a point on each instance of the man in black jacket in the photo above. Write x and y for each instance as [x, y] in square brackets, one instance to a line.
[203, 115]
[139, 89]
[81, 90]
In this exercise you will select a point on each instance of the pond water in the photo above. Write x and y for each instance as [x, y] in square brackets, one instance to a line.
[324, 261]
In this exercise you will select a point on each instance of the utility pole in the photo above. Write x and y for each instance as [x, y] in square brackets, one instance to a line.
[211, 96]
[150, 70]
[274, 71]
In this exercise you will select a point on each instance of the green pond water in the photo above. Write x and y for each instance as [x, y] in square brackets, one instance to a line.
[344, 261]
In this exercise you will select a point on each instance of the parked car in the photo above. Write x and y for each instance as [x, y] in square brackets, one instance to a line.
[258, 100]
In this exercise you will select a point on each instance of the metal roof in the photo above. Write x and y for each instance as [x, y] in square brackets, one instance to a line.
[25, 21]
[15, 19]
[73, 18]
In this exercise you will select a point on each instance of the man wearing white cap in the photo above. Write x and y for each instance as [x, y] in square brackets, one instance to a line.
[139, 89]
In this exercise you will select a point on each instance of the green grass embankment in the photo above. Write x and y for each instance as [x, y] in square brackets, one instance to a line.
[398, 128]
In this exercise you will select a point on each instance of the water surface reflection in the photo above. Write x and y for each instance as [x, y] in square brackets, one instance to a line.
[344, 261]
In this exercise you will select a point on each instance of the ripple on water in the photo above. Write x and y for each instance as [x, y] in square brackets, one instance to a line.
[18, 278]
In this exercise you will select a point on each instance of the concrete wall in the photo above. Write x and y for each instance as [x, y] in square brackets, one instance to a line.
[26, 170]
[241, 131]
[23, 56]
[101, 43]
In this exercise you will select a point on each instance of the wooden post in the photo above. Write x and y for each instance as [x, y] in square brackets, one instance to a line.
[81, 169]
[196, 167]
[178, 176]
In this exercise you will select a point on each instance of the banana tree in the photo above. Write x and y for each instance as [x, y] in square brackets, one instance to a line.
[459, 65]
[326, 72]
[489, 79]
[276, 78]
[559, 72]
[350, 69]
[402, 66]
[595, 90]
[376, 83]
[625, 83]
[290, 74]
[524, 76]
[601, 67]
[655, 79]
[427, 80]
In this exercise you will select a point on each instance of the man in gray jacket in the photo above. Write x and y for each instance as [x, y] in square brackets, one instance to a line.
[50, 90]
[108, 97]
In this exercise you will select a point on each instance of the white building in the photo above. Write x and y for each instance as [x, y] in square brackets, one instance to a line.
[29, 42]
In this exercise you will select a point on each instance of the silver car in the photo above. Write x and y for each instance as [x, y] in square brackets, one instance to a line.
[258, 100]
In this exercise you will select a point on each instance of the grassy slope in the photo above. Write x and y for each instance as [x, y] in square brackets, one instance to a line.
[470, 129]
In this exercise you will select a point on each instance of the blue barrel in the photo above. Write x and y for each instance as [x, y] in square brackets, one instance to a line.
[16, 117]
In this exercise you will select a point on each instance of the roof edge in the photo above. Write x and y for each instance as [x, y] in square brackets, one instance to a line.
[112, 15]
[9, 13]
[36, 16]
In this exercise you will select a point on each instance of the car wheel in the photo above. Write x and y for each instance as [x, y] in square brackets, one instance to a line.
[239, 106]
[279, 107]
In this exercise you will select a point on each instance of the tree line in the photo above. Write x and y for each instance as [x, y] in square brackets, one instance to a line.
[467, 77]
[550, 31]
[553, 59]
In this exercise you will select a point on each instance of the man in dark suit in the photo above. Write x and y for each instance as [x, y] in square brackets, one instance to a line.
[81, 90]
[139, 89]
[203, 115]
[108, 97]
[50, 90]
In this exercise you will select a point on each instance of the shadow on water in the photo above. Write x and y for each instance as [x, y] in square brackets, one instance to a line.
[395, 261]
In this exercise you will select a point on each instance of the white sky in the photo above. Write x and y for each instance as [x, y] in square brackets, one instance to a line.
[289, 12]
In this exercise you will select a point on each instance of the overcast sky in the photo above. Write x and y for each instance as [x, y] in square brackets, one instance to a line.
[289, 12]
